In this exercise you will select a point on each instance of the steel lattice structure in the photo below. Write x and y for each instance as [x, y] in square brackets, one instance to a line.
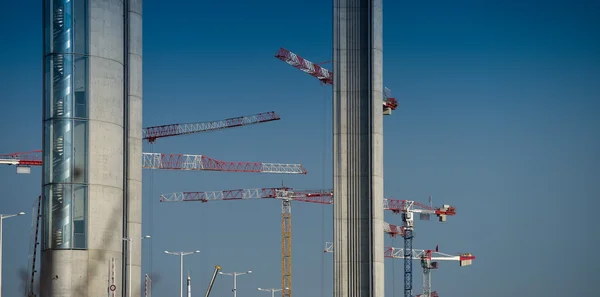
[426, 257]
[286, 195]
[152, 133]
[325, 76]
[201, 162]
[174, 162]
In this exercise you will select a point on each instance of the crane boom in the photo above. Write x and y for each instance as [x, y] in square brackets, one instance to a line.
[286, 195]
[426, 257]
[326, 76]
[174, 162]
[152, 133]
[201, 162]
[32, 158]
[212, 280]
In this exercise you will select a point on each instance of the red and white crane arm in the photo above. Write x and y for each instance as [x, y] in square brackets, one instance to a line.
[152, 133]
[174, 162]
[316, 196]
[398, 253]
[284, 193]
[201, 162]
[324, 75]
[32, 158]
[417, 254]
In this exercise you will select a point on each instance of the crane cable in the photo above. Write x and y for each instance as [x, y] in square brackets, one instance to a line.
[323, 157]
[151, 214]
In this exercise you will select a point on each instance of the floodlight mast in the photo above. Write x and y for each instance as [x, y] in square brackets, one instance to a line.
[181, 254]
[235, 275]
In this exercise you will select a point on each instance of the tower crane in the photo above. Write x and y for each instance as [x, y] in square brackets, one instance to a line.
[408, 208]
[326, 76]
[428, 259]
[172, 162]
[24, 160]
[286, 195]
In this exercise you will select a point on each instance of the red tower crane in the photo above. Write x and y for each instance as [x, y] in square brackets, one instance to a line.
[428, 259]
[286, 195]
[326, 76]
[24, 161]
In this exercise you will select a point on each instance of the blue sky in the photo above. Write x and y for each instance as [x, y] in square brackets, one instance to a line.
[498, 116]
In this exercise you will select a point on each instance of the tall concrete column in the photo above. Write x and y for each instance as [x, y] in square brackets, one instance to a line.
[92, 175]
[358, 148]
[134, 171]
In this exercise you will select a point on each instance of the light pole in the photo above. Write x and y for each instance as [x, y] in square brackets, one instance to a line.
[128, 239]
[235, 275]
[180, 254]
[273, 290]
[2, 217]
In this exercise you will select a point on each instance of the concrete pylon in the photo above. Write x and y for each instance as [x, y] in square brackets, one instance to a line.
[358, 148]
[92, 148]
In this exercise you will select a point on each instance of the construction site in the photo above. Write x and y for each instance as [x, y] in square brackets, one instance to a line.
[87, 226]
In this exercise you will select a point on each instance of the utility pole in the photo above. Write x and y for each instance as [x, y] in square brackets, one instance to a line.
[180, 254]
[235, 275]
[2, 217]
[272, 290]
[129, 256]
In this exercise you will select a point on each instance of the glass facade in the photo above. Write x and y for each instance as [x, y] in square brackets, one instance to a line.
[65, 124]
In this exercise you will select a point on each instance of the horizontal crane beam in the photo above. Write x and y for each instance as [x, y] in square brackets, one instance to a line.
[152, 133]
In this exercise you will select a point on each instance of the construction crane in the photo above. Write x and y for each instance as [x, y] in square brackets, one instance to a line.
[326, 76]
[427, 259]
[286, 195]
[408, 208]
[24, 160]
[171, 162]
[212, 280]
[152, 133]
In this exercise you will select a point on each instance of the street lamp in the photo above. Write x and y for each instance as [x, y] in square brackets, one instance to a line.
[273, 290]
[2, 217]
[235, 275]
[128, 239]
[180, 254]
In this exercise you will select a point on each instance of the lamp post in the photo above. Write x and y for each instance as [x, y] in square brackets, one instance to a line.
[235, 275]
[180, 254]
[2, 217]
[128, 239]
[272, 290]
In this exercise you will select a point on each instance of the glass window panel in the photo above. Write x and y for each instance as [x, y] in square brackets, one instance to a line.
[80, 26]
[81, 87]
[48, 87]
[47, 26]
[80, 149]
[80, 217]
[47, 217]
[47, 152]
[65, 216]
[61, 144]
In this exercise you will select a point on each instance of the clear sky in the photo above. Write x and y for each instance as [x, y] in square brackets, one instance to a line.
[498, 116]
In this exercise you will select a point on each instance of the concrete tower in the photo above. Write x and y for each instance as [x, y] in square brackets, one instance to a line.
[358, 148]
[92, 147]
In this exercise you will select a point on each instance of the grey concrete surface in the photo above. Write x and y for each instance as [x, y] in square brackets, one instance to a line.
[358, 148]
[88, 272]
